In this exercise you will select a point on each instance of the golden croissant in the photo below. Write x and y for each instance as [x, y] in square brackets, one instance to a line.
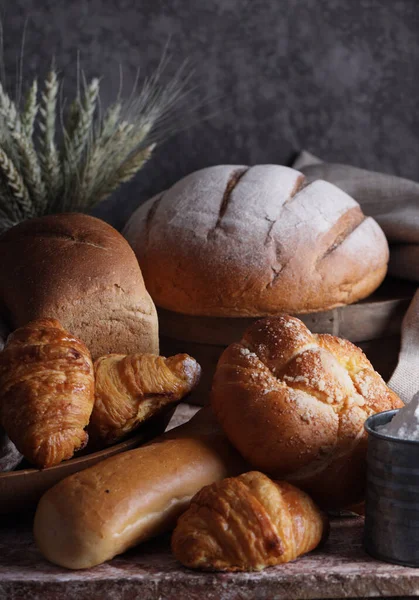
[247, 523]
[46, 392]
[133, 388]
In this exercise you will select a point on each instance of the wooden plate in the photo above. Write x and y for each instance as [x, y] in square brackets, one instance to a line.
[20, 490]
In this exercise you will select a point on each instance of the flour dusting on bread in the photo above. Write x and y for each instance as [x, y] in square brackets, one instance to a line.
[232, 240]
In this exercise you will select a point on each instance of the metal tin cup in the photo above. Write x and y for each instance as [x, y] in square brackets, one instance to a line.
[392, 496]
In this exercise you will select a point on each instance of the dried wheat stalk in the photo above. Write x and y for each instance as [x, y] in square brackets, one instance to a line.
[81, 126]
[125, 172]
[30, 110]
[30, 170]
[14, 181]
[77, 161]
[48, 153]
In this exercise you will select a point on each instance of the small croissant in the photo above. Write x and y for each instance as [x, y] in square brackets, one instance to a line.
[131, 389]
[46, 392]
[247, 523]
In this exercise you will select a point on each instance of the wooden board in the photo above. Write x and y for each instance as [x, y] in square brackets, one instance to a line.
[378, 316]
[340, 569]
[373, 324]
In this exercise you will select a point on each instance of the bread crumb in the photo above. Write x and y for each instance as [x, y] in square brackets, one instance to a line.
[246, 352]
[297, 379]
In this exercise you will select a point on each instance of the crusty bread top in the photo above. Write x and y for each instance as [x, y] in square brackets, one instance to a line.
[80, 270]
[74, 250]
[233, 240]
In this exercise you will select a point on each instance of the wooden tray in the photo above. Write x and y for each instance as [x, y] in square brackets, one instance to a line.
[21, 489]
[374, 324]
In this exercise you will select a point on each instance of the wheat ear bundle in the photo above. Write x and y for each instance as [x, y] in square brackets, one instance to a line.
[56, 162]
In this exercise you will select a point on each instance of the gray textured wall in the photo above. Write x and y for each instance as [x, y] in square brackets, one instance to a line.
[337, 77]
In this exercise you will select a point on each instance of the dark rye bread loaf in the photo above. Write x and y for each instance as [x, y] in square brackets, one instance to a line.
[81, 271]
[250, 241]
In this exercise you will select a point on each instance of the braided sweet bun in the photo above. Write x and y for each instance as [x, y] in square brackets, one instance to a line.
[294, 404]
[232, 240]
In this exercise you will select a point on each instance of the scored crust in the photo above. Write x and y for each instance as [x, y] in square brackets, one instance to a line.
[294, 404]
[254, 241]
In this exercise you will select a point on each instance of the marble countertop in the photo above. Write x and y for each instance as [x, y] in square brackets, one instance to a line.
[340, 569]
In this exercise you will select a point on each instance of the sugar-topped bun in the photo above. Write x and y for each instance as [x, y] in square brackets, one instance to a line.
[233, 240]
[294, 405]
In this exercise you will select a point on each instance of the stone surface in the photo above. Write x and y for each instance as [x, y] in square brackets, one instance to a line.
[340, 569]
[337, 78]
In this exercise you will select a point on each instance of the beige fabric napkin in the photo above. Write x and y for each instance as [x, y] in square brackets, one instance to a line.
[394, 203]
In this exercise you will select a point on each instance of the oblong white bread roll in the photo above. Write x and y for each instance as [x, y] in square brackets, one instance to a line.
[91, 516]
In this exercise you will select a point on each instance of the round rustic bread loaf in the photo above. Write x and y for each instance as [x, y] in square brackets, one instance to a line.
[81, 271]
[250, 241]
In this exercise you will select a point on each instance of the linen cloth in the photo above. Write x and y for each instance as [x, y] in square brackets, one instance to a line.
[394, 204]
